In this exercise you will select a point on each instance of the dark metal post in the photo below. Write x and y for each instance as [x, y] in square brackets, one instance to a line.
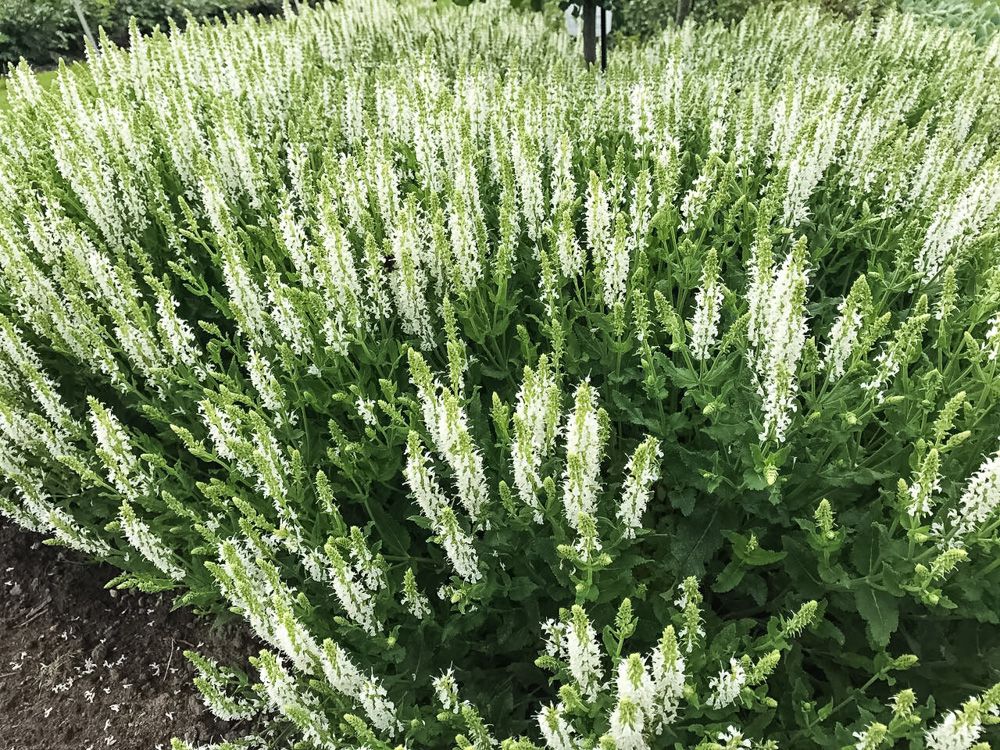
[683, 8]
[588, 8]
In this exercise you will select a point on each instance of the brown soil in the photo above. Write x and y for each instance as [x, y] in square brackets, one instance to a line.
[90, 669]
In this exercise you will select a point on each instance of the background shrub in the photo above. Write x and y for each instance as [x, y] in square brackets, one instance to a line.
[980, 16]
[643, 18]
[42, 31]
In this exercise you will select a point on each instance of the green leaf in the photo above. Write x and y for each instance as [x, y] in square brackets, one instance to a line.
[610, 640]
[757, 556]
[394, 534]
[729, 578]
[521, 588]
[880, 612]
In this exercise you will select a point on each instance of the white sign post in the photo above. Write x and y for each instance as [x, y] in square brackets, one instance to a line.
[574, 21]
[576, 25]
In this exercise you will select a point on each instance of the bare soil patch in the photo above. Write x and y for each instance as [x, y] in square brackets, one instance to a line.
[90, 669]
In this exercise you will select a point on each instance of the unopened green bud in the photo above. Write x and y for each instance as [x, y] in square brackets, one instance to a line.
[770, 474]
[548, 663]
[946, 562]
[665, 312]
[625, 621]
[956, 440]
[519, 743]
[801, 619]
[507, 497]
[906, 661]
[902, 493]
[567, 552]
[618, 317]
[549, 485]
[810, 356]
[949, 294]
[571, 698]
[825, 519]
[763, 668]
[903, 703]
[946, 418]
[501, 418]
[420, 373]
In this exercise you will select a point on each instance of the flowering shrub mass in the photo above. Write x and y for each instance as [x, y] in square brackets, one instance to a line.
[515, 404]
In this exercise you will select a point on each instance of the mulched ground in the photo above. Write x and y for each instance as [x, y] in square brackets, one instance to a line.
[89, 669]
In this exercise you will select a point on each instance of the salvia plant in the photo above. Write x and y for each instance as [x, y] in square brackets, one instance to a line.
[516, 405]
